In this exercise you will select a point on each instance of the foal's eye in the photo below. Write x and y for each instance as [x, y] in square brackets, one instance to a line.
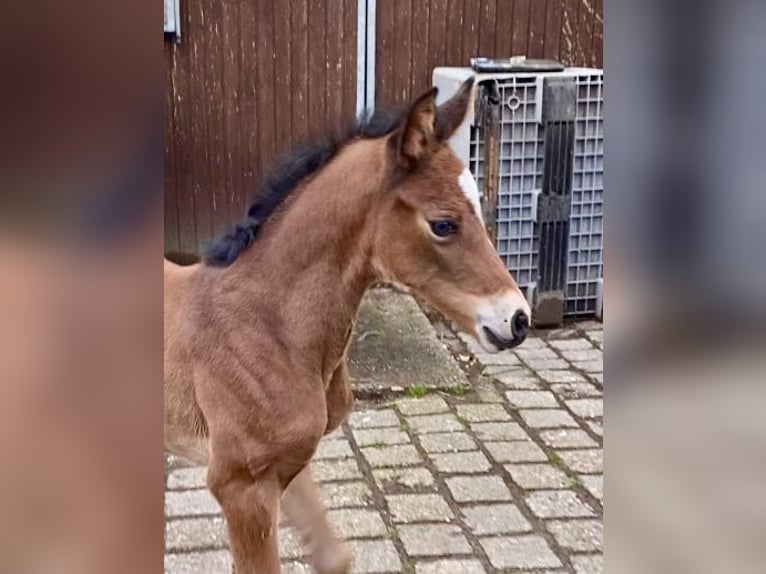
[443, 227]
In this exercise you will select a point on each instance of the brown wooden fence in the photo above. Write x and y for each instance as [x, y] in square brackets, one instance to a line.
[250, 77]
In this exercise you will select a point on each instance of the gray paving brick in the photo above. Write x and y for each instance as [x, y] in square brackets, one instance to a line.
[478, 489]
[499, 431]
[583, 355]
[191, 503]
[547, 364]
[344, 494]
[597, 377]
[357, 523]
[434, 423]
[577, 535]
[373, 556]
[483, 413]
[587, 408]
[532, 399]
[497, 359]
[333, 449]
[296, 568]
[450, 567]
[548, 418]
[567, 438]
[187, 478]
[535, 476]
[369, 419]
[596, 427]
[583, 461]
[397, 455]
[523, 552]
[212, 562]
[380, 436]
[576, 390]
[516, 451]
[433, 540]
[533, 342]
[557, 504]
[195, 534]
[571, 344]
[290, 545]
[561, 376]
[521, 380]
[461, 462]
[588, 564]
[542, 352]
[447, 442]
[395, 478]
[590, 366]
[495, 519]
[418, 508]
[595, 485]
[428, 405]
[342, 469]
[494, 370]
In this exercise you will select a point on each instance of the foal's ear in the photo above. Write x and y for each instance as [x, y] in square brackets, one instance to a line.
[416, 138]
[452, 113]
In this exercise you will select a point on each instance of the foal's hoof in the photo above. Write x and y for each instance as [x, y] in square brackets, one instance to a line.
[334, 560]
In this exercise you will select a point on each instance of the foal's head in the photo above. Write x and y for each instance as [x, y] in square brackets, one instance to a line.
[430, 235]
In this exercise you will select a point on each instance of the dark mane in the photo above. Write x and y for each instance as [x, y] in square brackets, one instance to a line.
[285, 176]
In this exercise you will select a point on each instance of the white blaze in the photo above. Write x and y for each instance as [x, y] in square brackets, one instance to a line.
[468, 185]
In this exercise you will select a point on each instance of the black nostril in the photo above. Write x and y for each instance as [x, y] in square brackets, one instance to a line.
[519, 324]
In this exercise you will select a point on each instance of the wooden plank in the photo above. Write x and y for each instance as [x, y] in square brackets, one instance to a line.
[437, 34]
[283, 89]
[232, 88]
[552, 30]
[504, 27]
[170, 182]
[597, 43]
[299, 70]
[349, 59]
[536, 45]
[585, 32]
[520, 27]
[248, 100]
[265, 89]
[471, 15]
[384, 54]
[334, 62]
[402, 52]
[317, 77]
[455, 17]
[488, 29]
[420, 79]
[568, 41]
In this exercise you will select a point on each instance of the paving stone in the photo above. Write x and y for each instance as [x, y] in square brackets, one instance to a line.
[516, 451]
[461, 462]
[557, 504]
[590, 366]
[483, 413]
[567, 438]
[213, 562]
[561, 376]
[529, 476]
[583, 461]
[342, 469]
[433, 540]
[430, 404]
[344, 494]
[434, 423]
[497, 359]
[296, 568]
[397, 455]
[370, 419]
[587, 408]
[588, 564]
[357, 523]
[191, 503]
[535, 354]
[596, 427]
[533, 342]
[290, 545]
[595, 485]
[499, 431]
[447, 442]
[187, 478]
[548, 418]
[373, 556]
[495, 519]
[380, 437]
[389, 478]
[333, 449]
[478, 488]
[576, 390]
[571, 344]
[494, 370]
[532, 399]
[578, 535]
[336, 434]
[450, 567]
[195, 534]
[418, 508]
[547, 364]
[523, 552]
[598, 377]
[521, 380]
[584, 355]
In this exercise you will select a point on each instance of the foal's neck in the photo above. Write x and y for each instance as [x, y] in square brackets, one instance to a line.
[311, 265]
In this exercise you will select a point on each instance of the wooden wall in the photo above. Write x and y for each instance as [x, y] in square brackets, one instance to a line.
[251, 77]
[415, 36]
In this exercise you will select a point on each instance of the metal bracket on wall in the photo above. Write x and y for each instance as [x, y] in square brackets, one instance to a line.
[172, 23]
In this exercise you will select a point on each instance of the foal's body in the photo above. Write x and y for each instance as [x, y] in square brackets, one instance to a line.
[255, 352]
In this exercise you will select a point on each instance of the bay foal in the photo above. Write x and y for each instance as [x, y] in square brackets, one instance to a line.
[256, 336]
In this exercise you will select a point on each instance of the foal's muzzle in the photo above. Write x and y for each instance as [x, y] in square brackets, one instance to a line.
[519, 326]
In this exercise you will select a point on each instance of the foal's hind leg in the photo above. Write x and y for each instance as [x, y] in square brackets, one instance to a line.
[304, 510]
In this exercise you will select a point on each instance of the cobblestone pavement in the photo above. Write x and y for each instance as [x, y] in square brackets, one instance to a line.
[504, 474]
